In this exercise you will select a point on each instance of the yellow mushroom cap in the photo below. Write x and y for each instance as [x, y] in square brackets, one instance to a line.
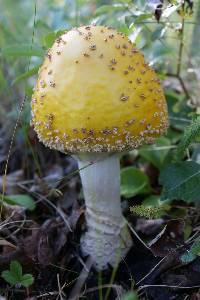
[95, 93]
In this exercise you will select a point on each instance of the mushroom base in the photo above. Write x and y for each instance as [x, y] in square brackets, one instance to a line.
[106, 248]
[107, 239]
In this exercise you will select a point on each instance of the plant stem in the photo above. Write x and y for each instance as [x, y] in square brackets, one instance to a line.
[181, 47]
[182, 84]
[107, 239]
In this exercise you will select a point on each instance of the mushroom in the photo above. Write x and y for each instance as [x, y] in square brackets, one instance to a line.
[97, 99]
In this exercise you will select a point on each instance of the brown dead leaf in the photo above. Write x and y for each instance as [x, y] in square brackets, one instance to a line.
[195, 296]
[12, 212]
[171, 237]
[46, 242]
[30, 243]
[5, 243]
[149, 227]
[75, 217]
[44, 250]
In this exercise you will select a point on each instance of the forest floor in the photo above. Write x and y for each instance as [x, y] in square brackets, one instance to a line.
[46, 240]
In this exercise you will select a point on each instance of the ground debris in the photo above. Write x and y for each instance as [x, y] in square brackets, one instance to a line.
[171, 237]
[46, 242]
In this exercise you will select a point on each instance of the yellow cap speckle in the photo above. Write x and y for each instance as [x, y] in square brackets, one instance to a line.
[95, 93]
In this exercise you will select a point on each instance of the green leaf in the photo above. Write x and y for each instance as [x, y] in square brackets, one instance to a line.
[178, 109]
[14, 275]
[27, 280]
[181, 181]
[9, 277]
[142, 17]
[158, 33]
[152, 200]
[103, 9]
[51, 37]
[191, 135]
[16, 269]
[23, 200]
[23, 50]
[196, 248]
[26, 75]
[130, 296]
[28, 90]
[137, 18]
[157, 152]
[190, 255]
[134, 182]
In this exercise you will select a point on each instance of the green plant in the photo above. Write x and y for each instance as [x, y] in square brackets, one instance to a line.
[14, 275]
[147, 212]
[134, 182]
[181, 180]
[22, 200]
[130, 296]
[191, 254]
[191, 135]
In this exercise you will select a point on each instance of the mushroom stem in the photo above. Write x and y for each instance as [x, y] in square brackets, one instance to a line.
[107, 239]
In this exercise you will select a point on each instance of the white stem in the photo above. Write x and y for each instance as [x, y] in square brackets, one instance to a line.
[107, 239]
